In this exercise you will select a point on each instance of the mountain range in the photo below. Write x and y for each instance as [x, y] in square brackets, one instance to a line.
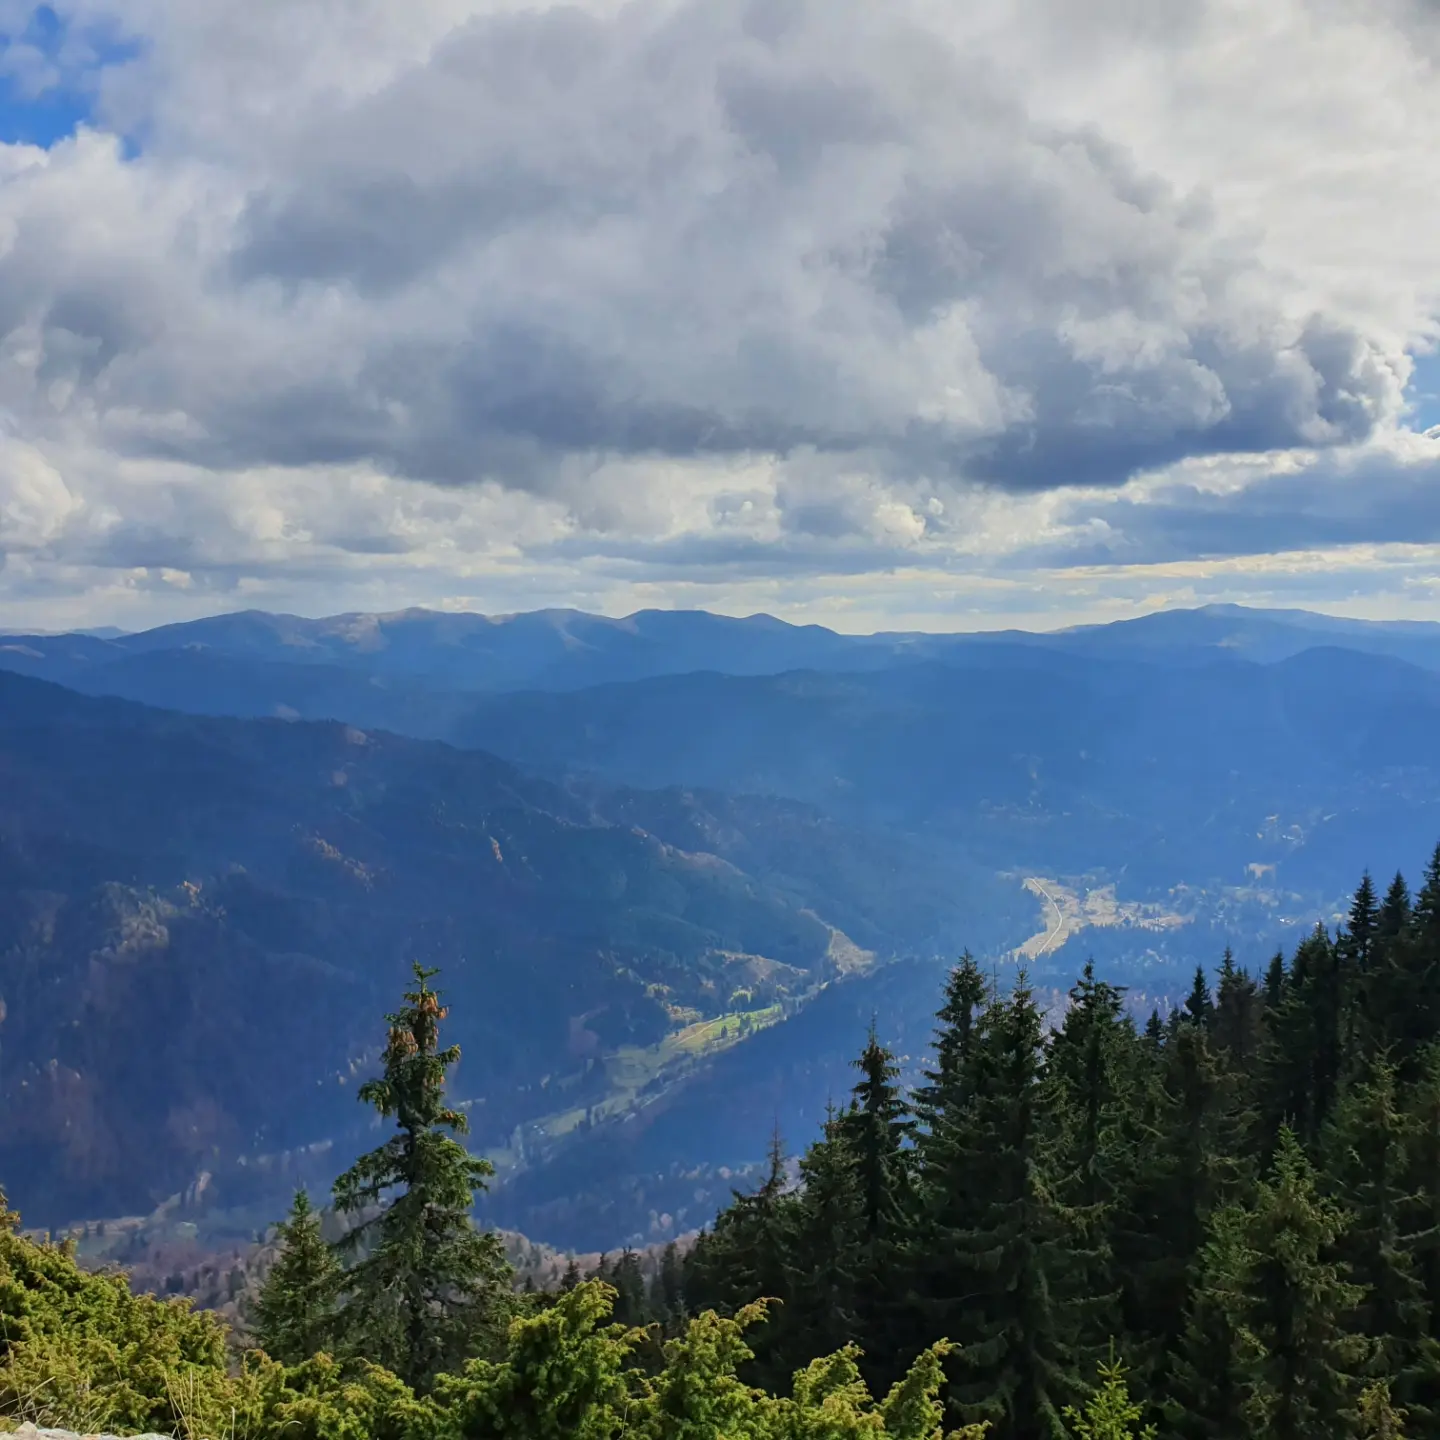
[670, 866]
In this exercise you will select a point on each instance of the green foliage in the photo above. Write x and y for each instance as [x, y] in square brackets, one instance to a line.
[295, 1309]
[564, 1377]
[1380, 1419]
[1110, 1413]
[79, 1347]
[428, 1288]
[1291, 1308]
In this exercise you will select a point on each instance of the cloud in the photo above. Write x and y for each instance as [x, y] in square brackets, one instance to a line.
[737, 283]
[1365, 497]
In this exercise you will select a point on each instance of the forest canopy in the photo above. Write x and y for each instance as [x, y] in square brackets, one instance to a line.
[1221, 1221]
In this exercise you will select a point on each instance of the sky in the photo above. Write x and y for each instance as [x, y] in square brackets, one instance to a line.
[937, 314]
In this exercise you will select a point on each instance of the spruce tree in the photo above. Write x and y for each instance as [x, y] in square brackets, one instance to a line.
[1205, 1383]
[826, 1257]
[875, 1133]
[1367, 1159]
[294, 1315]
[428, 1288]
[1111, 1414]
[632, 1307]
[1295, 1309]
[667, 1289]
[1199, 1007]
[967, 992]
[1390, 981]
[1000, 1252]
[1236, 1026]
[1189, 1162]
[1380, 1417]
[1093, 1064]
[1303, 1057]
[745, 1257]
[1421, 1221]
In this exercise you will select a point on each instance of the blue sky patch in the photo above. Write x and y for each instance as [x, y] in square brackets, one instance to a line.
[48, 77]
[1423, 392]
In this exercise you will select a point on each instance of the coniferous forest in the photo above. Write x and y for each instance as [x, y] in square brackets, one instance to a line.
[1219, 1222]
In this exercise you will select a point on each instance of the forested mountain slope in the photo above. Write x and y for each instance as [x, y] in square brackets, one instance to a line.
[1170, 773]
[197, 917]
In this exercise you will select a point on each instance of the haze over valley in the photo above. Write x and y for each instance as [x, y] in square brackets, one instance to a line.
[670, 867]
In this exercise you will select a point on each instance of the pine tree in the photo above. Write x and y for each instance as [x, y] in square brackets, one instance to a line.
[1367, 1159]
[1206, 1380]
[1389, 984]
[1303, 1056]
[667, 1290]
[1273, 989]
[428, 1287]
[877, 1128]
[1154, 1033]
[1421, 1218]
[1199, 1007]
[1363, 923]
[1295, 1310]
[294, 1315]
[1236, 1025]
[967, 992]
[1413, 964]
[1189, 1163]
[632, 1307]
[745, 1257]
[1110, 1414]
[1380, 1418]
[875, 1133]
[827, 1250]
[999, 1260]
[1092, 1065]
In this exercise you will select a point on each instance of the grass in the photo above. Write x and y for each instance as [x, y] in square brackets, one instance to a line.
[633, 1068]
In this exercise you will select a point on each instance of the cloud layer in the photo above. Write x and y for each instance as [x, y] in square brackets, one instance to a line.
[336, 300]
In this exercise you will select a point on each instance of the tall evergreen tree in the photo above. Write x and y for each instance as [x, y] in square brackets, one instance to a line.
[667, 1289]
[876, 1132]
[1236, 1025]
[428, 1288]
[1189, 1163]
[1002, 1260]
[1093, 1065]
[1206, 1380]
[1294, 1309]
[1200, 1007]
[1363, 923]
[1421, 1220]
[746, 1256]
[967, 992]
[1367, 1159]
[294, 1314]
[1388, 982]
[827, 1252]
[1303, 1056]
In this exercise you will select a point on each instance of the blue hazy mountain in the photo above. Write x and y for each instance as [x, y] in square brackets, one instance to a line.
[400, 669]
[621, 806]
[202, 922]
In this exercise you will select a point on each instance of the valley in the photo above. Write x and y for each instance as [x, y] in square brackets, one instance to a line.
[666, 901]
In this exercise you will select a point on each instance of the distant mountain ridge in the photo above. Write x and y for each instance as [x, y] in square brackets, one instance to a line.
[630, 824]
[443, 652]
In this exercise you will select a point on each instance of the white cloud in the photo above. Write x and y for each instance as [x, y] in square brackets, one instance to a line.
[459, 300]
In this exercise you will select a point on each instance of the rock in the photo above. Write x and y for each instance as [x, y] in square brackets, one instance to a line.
[34, 1432]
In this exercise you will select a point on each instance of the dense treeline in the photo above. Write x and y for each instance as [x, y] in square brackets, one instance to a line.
[1241, 1198]
[1222, 1223]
